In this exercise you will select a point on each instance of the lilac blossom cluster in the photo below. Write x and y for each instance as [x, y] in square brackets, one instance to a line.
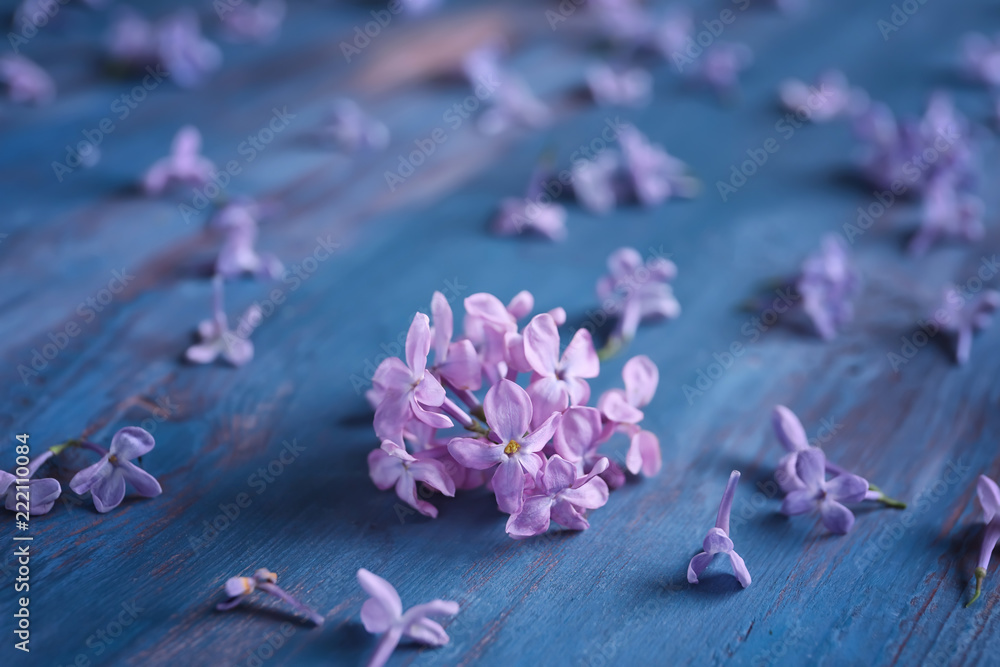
[535, 447]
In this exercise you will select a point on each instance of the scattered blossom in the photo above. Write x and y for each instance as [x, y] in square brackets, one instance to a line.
[184, 164]
[239, 588]
[717, 541]
[106, 479]
[989, 499]
[827, 285]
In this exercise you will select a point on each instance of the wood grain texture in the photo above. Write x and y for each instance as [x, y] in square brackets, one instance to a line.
[889, 593]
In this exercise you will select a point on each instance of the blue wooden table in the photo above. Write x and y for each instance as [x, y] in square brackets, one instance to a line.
[291, 430]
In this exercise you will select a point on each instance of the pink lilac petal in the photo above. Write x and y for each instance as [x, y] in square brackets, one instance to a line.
[837, 518]
[989, 497]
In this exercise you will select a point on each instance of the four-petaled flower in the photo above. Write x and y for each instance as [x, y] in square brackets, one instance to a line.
[185, 164]
[622, 408]
[619, 87]
[560, 496]
[383, 613]
[989, 498]
[392, 465]
[106, 479]
[828, 496]
[717, 541]
[408, 391]
[41, 493]
[216, 337]
[238, 588]
[635, 291]
[963, 317]
[557, 382]
[947, 214]
[508, 413]
[827, 285]
[653, 175]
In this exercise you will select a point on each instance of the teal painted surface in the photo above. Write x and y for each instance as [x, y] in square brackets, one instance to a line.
[889, 593]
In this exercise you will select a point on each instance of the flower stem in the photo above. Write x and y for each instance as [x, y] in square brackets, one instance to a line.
[980, 575]
[280, 593]
[465, 396]
[612, 347]
[874, 493]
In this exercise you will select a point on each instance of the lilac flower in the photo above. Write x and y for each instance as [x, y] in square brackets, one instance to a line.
[518, 215]
[989, 498]
[455, 363]
[26, 82]
[652, 174]
[238, 255]
[237, 213]
[560, 496]
[409, 391]
[216, 337]
[577, 438]
[619, 87]
[947, 214]
[183, 51]
[981, 57]
[792, 436]
[595, 183]
[353, 130]
[184, 164]
[383, 613]
[622, 408]
[827, 285]
[557, 382]
[393, 466]
[963, 317]
[246, 22]
[42, 493]
[238, 588]
[722, 64]
[489, 325]
[636, 291]
[830, 98]
[509, 414]
[624, 21]
[717, 541]
[106, 479]
[824, 495]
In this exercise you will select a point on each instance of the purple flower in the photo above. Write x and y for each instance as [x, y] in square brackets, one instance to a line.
[383, 613]
[989, 498]
[717, 541]
[183, 51]
[408, 391]
[216, 338]
[42, 493]
[827, 285]
[963, 316]
[827, 496]
[619, 87]
[511, 102]
[131, 39]
[509, 414]
[559, 495]
[721, 66]
[244, 22]
[393, 466]
[622, 408]
[581, 431]
[557, 382]
[238, 255]
[595, 183]
[947, 214]
[238, 588]
[353, 130]
[106, 479]
[455, 363]
[830, 98]
[26, 82]
[652, 174]
[183, 165]
[636, 291]
[520, 214]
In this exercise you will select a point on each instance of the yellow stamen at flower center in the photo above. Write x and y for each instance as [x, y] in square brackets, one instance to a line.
[247, 584]
[512, 448]
[112, 459]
